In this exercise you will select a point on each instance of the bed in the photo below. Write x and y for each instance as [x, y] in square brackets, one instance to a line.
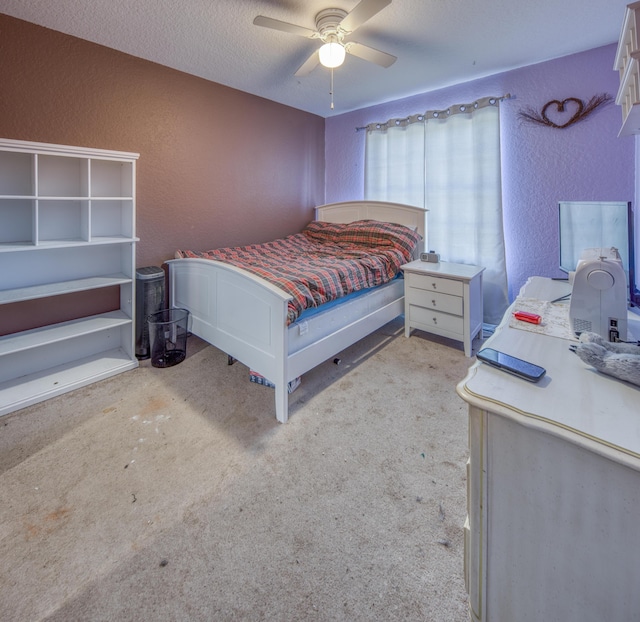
[248, 317]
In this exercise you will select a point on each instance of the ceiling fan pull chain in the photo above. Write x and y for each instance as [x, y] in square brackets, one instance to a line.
[331, 91]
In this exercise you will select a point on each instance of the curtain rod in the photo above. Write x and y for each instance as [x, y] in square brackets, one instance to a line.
[455, 109]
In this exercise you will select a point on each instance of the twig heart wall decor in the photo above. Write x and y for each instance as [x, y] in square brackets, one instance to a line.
[561, 107]
[558, 110]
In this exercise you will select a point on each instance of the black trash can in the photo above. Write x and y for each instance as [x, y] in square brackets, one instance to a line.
[168, 331]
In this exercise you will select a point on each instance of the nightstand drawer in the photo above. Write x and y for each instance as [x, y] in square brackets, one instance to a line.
[436, 320]
[437, 301]
[435, 284]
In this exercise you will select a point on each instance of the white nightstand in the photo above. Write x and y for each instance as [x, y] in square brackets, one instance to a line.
[444, 299]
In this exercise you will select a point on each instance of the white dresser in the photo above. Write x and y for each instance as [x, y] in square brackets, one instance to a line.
[444, 299]
[553, 485]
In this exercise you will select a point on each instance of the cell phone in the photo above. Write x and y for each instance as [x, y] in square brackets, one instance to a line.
[511, 364]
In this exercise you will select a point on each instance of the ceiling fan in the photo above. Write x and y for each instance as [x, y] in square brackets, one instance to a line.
[332, 27]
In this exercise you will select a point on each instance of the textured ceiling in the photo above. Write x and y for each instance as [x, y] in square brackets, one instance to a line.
[438, 42]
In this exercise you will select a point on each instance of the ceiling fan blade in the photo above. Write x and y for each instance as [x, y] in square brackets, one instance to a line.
[371, 54]
[363, 11]
[309, 65]
[276, 24]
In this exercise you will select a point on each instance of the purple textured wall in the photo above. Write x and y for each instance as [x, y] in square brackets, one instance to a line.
[541, 165]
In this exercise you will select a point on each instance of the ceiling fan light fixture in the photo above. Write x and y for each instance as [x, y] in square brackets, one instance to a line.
[332, 54]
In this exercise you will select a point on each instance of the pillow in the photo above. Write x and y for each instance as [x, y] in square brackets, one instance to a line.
[369, 233]
[323, 231]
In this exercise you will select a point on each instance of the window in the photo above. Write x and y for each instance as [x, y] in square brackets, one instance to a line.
[449, 163]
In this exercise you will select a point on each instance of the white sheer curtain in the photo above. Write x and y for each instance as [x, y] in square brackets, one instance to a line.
[394, 167]
[449, 162]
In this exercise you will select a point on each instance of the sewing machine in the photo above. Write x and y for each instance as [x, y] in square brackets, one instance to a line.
[599, 296]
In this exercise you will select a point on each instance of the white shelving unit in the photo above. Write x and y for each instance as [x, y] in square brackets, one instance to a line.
[627, 64]
[67, 224]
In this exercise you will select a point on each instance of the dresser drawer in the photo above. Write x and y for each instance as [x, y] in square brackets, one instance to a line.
[436, 300]
[436, 320]
[435, 284]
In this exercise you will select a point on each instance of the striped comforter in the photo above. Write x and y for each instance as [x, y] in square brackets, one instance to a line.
[325, 262]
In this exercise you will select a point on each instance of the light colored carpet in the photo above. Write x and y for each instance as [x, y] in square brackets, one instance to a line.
[173, 494]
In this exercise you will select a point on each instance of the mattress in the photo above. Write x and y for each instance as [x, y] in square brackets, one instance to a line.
[319, 323]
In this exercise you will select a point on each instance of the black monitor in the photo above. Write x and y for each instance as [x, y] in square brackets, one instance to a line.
[597, 224]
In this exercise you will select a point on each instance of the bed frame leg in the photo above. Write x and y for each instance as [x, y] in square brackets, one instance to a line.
[282, 403]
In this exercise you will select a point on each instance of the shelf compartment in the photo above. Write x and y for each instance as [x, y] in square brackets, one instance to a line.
[62, 176]
[65, 264]
[34, 292]
[40, 312]
[111, 179]
[42, 385]
[111, 218]
[628, 97]
[16, 173]
[56, 333]
[63, 220]
[17, 218]
[41, 349]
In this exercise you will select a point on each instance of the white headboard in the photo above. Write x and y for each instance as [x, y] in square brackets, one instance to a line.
[348, 211]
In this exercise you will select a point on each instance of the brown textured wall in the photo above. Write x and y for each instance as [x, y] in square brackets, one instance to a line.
[217, 167]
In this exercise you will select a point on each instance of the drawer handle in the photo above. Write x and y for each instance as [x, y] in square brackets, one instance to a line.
[434, 286]
[435, 320]
[433, 302]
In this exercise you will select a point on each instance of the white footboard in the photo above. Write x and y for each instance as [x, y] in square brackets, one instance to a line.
[239, 313]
